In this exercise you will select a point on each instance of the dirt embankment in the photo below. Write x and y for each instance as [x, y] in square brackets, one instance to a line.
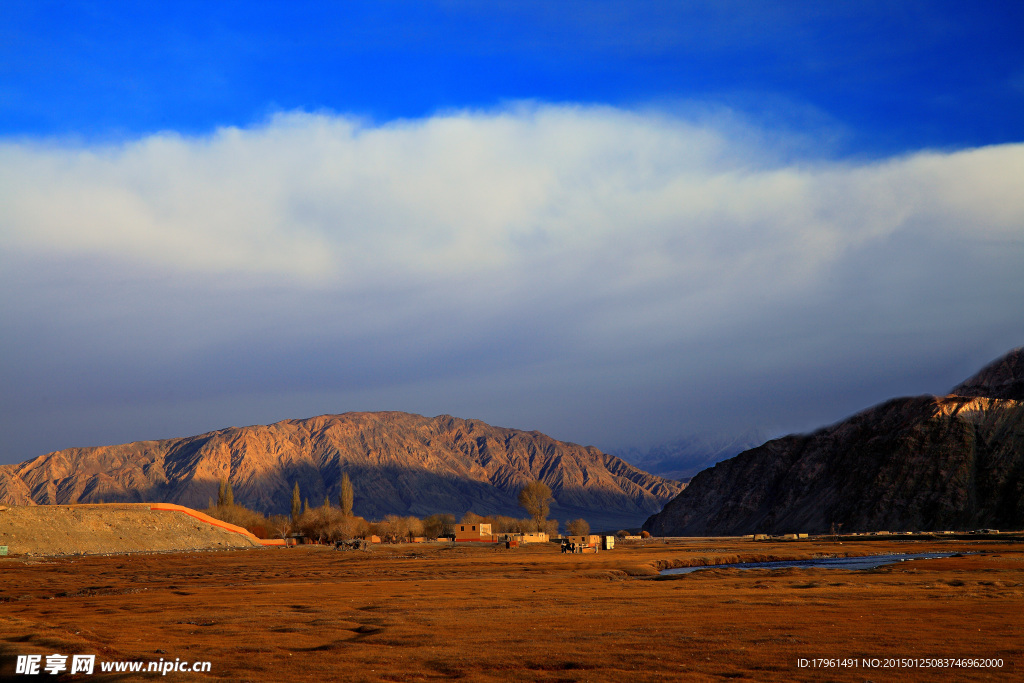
[111, 528]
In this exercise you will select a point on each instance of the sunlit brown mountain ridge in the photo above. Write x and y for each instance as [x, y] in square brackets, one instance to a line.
[399, 464]
[920, 463]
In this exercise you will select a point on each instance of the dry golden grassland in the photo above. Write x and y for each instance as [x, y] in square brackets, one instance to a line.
[437, 612]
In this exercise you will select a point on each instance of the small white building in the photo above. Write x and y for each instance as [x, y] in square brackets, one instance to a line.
[534, 537]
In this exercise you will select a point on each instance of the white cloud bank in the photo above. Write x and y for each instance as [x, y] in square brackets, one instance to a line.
[326, 198]
[605, 243]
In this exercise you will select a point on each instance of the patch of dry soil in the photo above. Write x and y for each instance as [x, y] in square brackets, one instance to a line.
[105, 529]
[438, 612]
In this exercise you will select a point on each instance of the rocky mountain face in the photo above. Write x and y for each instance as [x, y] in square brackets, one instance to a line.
[922, 463]
[398, 463]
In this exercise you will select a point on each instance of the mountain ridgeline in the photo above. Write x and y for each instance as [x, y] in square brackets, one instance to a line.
[398, 463]
[921, 463]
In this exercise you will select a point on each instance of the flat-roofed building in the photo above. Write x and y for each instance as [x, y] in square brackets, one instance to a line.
[534, 537]
[480, 533]
[589, 541]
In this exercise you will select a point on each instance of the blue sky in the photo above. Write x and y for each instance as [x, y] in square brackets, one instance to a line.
[892, 76]
[616, 222]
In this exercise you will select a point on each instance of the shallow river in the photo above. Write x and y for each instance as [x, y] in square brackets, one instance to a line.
[869, 562]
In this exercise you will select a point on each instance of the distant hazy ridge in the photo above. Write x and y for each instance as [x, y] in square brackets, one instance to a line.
[928, 463]
[399, 464]
[682, 458]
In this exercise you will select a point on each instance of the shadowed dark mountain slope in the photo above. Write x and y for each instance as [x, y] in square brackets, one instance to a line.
[922, 463]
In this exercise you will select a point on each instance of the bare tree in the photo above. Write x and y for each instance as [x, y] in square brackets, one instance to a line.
[280, 526]
[316, 523]
[296, 503]
[438, 525]
[414, 527]
[345, 498]
[472, 518]
[551, 527]
[394, 528]
[536, 499]
[577, 527]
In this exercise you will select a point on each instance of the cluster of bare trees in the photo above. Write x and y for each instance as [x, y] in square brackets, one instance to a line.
[262, 526]
[328, 523]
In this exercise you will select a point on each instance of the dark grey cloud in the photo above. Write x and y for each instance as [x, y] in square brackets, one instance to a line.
[609, 277]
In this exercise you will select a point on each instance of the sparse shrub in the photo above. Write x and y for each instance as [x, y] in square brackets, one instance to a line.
[640, 570]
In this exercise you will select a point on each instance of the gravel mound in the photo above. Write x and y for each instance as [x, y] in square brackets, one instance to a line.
[108, 529]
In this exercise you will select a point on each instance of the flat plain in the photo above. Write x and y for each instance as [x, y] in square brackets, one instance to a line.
[434, 612]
